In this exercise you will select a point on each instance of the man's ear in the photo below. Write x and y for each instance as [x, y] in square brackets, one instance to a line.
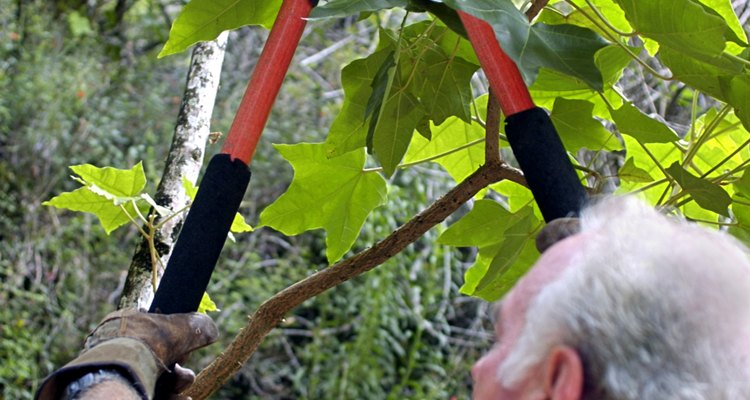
[563, 378]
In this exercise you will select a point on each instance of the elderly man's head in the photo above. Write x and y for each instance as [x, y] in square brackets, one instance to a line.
[635, 306]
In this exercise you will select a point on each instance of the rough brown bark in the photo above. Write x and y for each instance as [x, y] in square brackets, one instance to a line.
[536, 7]
[184, 160]
[492, 141]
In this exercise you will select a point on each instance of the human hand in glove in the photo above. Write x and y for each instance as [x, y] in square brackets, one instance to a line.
[135, 352]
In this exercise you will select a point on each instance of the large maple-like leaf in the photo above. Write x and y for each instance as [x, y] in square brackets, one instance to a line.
[505, 242]
[333, 194]
[577, 128]
[202, 20]
[683, 24]
[565, 48]
[105, 192]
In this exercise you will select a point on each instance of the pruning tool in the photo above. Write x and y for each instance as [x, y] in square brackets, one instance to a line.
[532, 137]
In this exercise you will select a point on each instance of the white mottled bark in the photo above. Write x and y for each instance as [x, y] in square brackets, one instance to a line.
[185, 159]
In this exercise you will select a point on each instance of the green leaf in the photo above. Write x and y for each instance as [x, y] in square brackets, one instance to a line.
[440, 76]
[162, 211]
[239, 224]
[742, 185]
[708, 195]
[611, 61]
[683, 25]
[724, 9]
[517, 236]
[726, 138]
[427, 84]
[446, 15]
[611, 11]
[333, 194]
[125, 183]
[703, 74]
[424, 128]
[190, 189]
[203, 20]
[631, 121]
[82, 199]
[446, 138]
[396, 124]
[630, 172]
[343, 8]
[349, 128]
[577, 128]
[565, 48]
[207, 305]
[506, 248]
[381, 85]
[663, 154]
[741, 214]
[737, 91]
[496, 289]
[431, 81]
[79, 25]
[483, 226]
[518, 196]
[105, 189]
[551, 85]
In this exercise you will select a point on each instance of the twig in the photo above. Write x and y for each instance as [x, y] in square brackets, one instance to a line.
[492, 130]
[273, 310]
[535, 8]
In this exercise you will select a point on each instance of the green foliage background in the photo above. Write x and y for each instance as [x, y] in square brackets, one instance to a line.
[81, 84]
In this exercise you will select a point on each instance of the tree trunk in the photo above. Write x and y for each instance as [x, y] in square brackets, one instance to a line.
[184, 160]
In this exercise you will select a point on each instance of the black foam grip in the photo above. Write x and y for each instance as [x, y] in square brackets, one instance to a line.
[202, 236]
[545, 164]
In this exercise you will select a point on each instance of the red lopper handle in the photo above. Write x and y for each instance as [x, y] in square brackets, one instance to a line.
[505, 79]
[266, 80]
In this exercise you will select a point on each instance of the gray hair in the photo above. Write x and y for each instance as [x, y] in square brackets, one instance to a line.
[657, 309]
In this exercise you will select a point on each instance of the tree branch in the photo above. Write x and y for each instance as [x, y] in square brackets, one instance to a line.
[536, 7]
[185, 159]
[271, 312]
[492, 129]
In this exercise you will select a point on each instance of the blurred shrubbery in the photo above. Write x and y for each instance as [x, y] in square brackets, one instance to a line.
[80, 83]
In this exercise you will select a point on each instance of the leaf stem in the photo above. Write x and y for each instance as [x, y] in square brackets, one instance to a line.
[661, 168]
[693, 114]
[137, 211]
[727, 174]
[174, 214]
[137, 225]
[695, 145]
[605, 100]
[650, 185]
[711, 222]
[653, 158]
[727, 158]
[597, 176]
[155, 260]
[431, 158]
[733, 57]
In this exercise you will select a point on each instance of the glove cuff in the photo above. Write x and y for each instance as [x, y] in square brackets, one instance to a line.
[129, 357]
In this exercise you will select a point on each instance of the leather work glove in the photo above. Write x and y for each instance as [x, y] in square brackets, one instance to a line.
[141, 347]
[555, 231]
